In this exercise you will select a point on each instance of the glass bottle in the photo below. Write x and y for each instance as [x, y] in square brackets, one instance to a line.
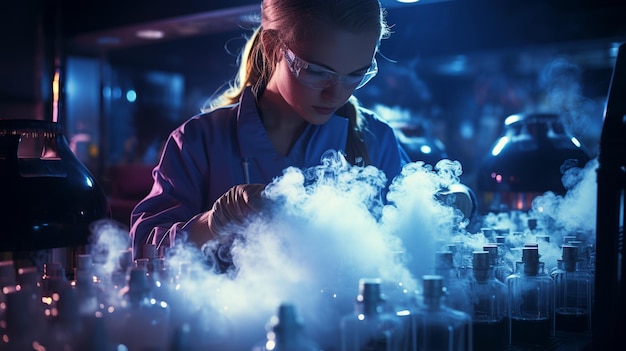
[140, 322]
[573, 293]
[29, 281]
[53, 280]
[437, 326]
[489, 233]
[489, 323]
[285, 332]
[501, 270]
[457, 287]
[64, 326]
[21, 331]
[369, 328]
[531, 300]
[84, 284]
[505, 256]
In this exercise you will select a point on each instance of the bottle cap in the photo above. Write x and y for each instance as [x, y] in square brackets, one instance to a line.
[125, 259]
[480, 259]
[570, 253]
[488, 232]
[369, 290]
[149, 251]
[287, 321]
[138, 280]
[530, 255]
[433, 285]
[444, 259]
[532, 223]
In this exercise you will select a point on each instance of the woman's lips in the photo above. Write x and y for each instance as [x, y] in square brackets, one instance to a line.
[324, 110]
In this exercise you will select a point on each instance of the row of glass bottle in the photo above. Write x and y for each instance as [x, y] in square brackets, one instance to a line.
[541, 298]
[485, 307]
[51, 313]
[486, 302]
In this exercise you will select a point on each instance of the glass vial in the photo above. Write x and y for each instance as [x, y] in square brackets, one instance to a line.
[369, 328]
[140, 322]
[456, 283]
[489, 323]
[573, 293]
[285, 332]
[531, 300]
[437, 326]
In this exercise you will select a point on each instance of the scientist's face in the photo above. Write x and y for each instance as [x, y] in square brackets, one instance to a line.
[317, 75]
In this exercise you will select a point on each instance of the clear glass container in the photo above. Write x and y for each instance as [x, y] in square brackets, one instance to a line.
[435, 325]
[455, 281]
[285, 332]
[531, 300]
[21, 328]
[369, 328]
[140, 322]
[501, 268]
[573, 293]
[489, 297]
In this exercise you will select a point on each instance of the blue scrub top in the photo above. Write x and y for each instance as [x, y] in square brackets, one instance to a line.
[204, 157]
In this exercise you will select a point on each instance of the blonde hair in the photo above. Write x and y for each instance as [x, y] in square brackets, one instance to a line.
[286, 21]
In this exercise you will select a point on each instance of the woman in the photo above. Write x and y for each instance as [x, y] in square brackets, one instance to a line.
[290, 102]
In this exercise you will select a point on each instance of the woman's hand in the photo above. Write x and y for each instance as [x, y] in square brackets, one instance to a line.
[231, 209]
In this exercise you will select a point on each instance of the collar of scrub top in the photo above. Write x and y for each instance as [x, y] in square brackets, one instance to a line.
[254, 141]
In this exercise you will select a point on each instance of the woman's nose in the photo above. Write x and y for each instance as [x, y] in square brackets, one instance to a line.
[335, 90]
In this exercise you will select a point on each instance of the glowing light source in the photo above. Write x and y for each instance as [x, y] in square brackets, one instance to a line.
[512, 119]
[151, 34]
[426, 149]
[407, 1]
[131, 95]
[55, 96]
[499, 146]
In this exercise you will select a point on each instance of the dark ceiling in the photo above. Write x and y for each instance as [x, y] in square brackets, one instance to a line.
[198, 30]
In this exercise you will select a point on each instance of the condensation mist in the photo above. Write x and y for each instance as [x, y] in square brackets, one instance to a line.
[327, 228]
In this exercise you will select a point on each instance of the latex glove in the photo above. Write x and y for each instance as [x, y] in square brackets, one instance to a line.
[231, 209]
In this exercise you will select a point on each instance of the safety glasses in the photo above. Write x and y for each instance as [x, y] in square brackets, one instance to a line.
[317, 77]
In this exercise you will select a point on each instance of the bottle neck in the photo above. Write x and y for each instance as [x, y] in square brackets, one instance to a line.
[368, 308]
[482, 275]
[433, 302]
[529, 268]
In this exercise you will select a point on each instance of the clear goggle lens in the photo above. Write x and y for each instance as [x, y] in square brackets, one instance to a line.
[317, 77]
